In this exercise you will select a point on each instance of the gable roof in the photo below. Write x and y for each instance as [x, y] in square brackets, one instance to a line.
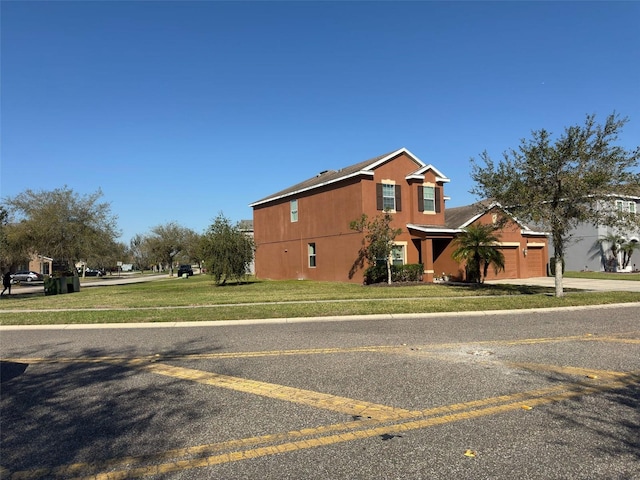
[365, 167]
[457, 219]
[245, 225]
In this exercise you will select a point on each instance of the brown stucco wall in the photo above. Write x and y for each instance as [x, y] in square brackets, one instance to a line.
[517, 264]
[323, 218]
[324, 215]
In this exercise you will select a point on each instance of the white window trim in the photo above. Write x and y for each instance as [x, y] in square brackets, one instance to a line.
[310, 255]
[389, 182]
[404, 251]
[424, 200]
[293, 211]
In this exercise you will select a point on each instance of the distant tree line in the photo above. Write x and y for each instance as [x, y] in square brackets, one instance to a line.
[80, 229]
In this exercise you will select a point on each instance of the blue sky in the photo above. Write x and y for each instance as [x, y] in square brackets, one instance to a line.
[181, 110]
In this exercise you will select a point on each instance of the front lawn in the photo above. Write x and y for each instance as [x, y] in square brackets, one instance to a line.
[199, 299]
[604, 275]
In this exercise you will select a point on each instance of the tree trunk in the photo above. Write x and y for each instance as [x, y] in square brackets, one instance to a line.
[389, 271]
[558, 277]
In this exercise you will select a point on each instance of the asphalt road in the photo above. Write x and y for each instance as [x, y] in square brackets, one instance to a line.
[38, 287]
[526, 395]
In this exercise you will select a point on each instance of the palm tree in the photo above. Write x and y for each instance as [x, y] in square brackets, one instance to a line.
[612, 243]
[627, 249]
[478, 246]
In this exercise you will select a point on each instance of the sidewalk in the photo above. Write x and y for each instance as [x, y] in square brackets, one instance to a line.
[574, 283]
[578, 283]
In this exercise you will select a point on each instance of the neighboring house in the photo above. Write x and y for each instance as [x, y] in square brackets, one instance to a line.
[587, 251]
[39, 264]
[303, 232]
[246, 227]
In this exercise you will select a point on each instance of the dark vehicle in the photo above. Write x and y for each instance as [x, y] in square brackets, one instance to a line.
[93, 272]
[26, 276]
[185, 269]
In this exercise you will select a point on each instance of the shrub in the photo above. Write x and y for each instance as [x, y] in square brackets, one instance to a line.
[408, 273]
[399, 273]
[551, 267]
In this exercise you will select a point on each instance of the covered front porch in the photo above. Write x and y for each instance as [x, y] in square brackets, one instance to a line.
[433, 250]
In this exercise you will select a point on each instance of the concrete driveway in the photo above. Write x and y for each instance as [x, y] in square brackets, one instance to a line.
[579, 283]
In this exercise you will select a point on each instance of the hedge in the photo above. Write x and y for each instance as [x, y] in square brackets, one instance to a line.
[399, 273]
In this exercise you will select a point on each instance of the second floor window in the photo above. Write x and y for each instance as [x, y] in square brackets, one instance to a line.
[293, 205]
[622, 206]
[429, 195]
[388, 197]
[429, 198]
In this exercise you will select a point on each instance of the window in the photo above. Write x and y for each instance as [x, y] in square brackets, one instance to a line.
[625, 207]
[397, 255]
[429, 196]
[312, 255]
[293, 205]
[388, 197]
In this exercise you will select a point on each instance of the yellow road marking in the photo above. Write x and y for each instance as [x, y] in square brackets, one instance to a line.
[319, 436]
[566, 370]
[209, 356]
[423, 349]
[330, 434]
[304, 397]
[181, 465]
[632, 341]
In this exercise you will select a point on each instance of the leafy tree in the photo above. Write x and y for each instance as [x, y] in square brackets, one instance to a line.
[166, 242]
[108, 257]
[226, 251]
[62, 224]
[477, 245]
[192, 248]
[140, 252]
[12, 250]
[565, 182]
[377, 243]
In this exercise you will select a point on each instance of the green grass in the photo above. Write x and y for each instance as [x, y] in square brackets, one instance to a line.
[198, 299]
[604, 276]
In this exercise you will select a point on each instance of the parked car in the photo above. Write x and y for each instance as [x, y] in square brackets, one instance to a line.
[185, 269]
[26, 276]
[93, 272]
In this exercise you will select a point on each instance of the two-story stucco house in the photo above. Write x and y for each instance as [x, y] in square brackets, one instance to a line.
[302, 232]
[588, 249]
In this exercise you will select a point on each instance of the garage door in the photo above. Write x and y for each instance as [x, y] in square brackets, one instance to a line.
[536, 266]
[510, 265]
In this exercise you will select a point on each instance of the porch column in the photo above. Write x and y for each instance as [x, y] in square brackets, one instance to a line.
[427, 260]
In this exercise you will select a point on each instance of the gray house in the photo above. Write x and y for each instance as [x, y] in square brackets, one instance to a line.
[588, 250]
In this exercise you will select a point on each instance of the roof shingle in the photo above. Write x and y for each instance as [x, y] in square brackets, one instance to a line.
[330, 176]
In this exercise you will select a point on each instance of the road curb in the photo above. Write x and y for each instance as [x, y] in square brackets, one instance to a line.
[280, 321]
